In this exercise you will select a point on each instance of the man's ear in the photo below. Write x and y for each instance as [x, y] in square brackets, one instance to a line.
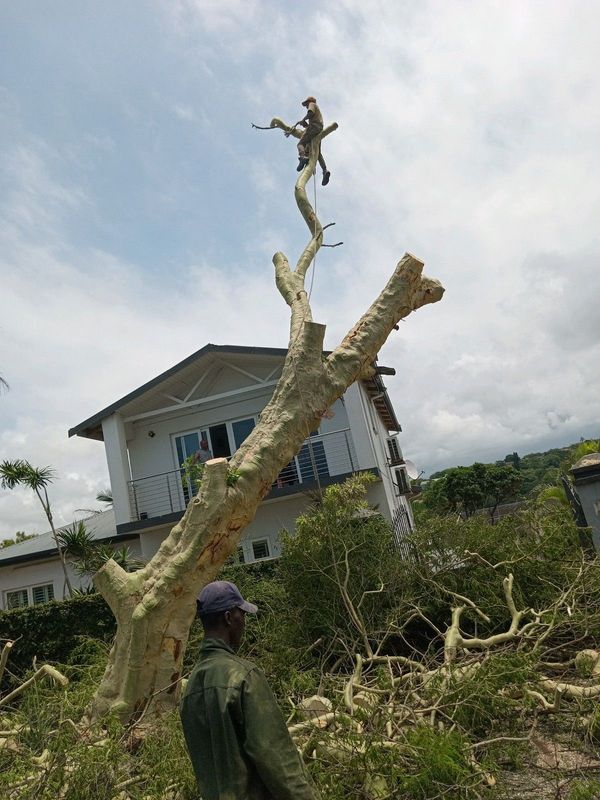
[227, 617]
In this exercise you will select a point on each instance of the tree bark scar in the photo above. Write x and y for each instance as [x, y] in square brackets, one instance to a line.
[177, 649]
[173, 686]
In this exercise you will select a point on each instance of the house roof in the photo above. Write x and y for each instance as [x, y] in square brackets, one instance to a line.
[101, 526]
[91, 428]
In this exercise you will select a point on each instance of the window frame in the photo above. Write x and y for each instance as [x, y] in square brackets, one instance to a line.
[29, 590]
[263, 540]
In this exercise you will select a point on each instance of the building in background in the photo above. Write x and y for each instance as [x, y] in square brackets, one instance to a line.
[211, 401]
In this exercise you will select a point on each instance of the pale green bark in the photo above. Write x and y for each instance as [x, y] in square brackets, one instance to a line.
[154, 606]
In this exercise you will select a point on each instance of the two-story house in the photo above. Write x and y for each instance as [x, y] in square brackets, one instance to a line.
[215, 396]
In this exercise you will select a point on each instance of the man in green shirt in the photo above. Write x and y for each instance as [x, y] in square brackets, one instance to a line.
[234, 730]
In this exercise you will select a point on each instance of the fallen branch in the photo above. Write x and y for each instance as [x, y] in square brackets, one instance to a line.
[45, 671]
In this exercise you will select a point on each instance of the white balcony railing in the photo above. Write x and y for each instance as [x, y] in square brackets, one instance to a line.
[325, 455]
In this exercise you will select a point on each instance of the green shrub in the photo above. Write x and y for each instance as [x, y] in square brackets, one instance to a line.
[53, 630]
[339, 543]
[584, 790]
[540, 546]
[483, 701]
[438, 765]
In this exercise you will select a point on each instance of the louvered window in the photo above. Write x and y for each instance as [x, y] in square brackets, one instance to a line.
[42, 594]
[17, 598]
[394, 455]
[402, 481]
[260, 549]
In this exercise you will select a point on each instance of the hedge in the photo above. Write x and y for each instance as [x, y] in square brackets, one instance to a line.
[51, 631]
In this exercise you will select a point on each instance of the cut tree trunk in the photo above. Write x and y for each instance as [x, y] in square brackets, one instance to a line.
[155, 606]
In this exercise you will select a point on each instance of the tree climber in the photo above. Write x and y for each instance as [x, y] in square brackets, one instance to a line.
[234, 730]
[313, 124]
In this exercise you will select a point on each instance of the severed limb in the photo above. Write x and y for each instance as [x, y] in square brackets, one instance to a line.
[46, 671]
[8, 646]
[455, 640]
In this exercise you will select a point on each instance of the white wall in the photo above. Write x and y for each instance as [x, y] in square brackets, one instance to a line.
[113, 431]
[359, 423]
[35, 573]
[49, 570]
[271, 517]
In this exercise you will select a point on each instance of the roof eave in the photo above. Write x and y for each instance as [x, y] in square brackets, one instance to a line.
[91, 428]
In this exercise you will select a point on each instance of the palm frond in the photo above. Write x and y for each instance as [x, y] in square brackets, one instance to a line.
[105, 496]
[22, 473]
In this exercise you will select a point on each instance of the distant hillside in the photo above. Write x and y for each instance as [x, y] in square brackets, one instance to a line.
[538, 469]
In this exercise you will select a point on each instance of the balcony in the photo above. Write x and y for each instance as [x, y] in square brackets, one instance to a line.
[322, 458]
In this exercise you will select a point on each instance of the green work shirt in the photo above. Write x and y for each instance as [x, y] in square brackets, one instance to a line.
[235, 733]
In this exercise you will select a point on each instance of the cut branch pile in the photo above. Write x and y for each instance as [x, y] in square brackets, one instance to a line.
[375, 714]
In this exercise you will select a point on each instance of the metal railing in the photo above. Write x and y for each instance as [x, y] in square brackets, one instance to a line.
[323, 456]
[401, 529]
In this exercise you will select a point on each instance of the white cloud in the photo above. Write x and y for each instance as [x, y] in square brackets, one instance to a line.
[185, 112]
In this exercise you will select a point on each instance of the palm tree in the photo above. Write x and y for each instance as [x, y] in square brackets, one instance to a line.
[88, 555]
[3, 384]
[22, 473]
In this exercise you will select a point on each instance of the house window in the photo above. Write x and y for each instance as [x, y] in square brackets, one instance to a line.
[241, 429]
[42, 594]
[17, 598]
[394, 455]
[31, 596]
[402, 482]
[188, 444]
[260, 549]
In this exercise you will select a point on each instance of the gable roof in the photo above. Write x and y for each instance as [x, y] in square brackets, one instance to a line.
[91, 428]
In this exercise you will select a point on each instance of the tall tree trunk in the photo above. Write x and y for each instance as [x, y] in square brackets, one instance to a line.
[154, 607]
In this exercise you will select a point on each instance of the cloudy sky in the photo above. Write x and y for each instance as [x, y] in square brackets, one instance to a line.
[139, 211]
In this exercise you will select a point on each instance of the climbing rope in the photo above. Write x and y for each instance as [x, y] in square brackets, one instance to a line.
[309, 295]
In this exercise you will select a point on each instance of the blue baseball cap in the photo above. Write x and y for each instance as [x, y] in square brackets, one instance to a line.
[222, 596]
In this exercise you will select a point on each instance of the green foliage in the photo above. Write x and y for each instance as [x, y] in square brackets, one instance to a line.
[22, 473]
[233, 476]
[540, 546]
[51, 631]
[536, 469]
[465, 490]
[20, 536]
[105, 496]
[592, 727]
[438, 765]
[340, 542]
[90, 771]
[481, 702]
[584, 790]
[88, 555]
[192, 473]
[553, 494]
